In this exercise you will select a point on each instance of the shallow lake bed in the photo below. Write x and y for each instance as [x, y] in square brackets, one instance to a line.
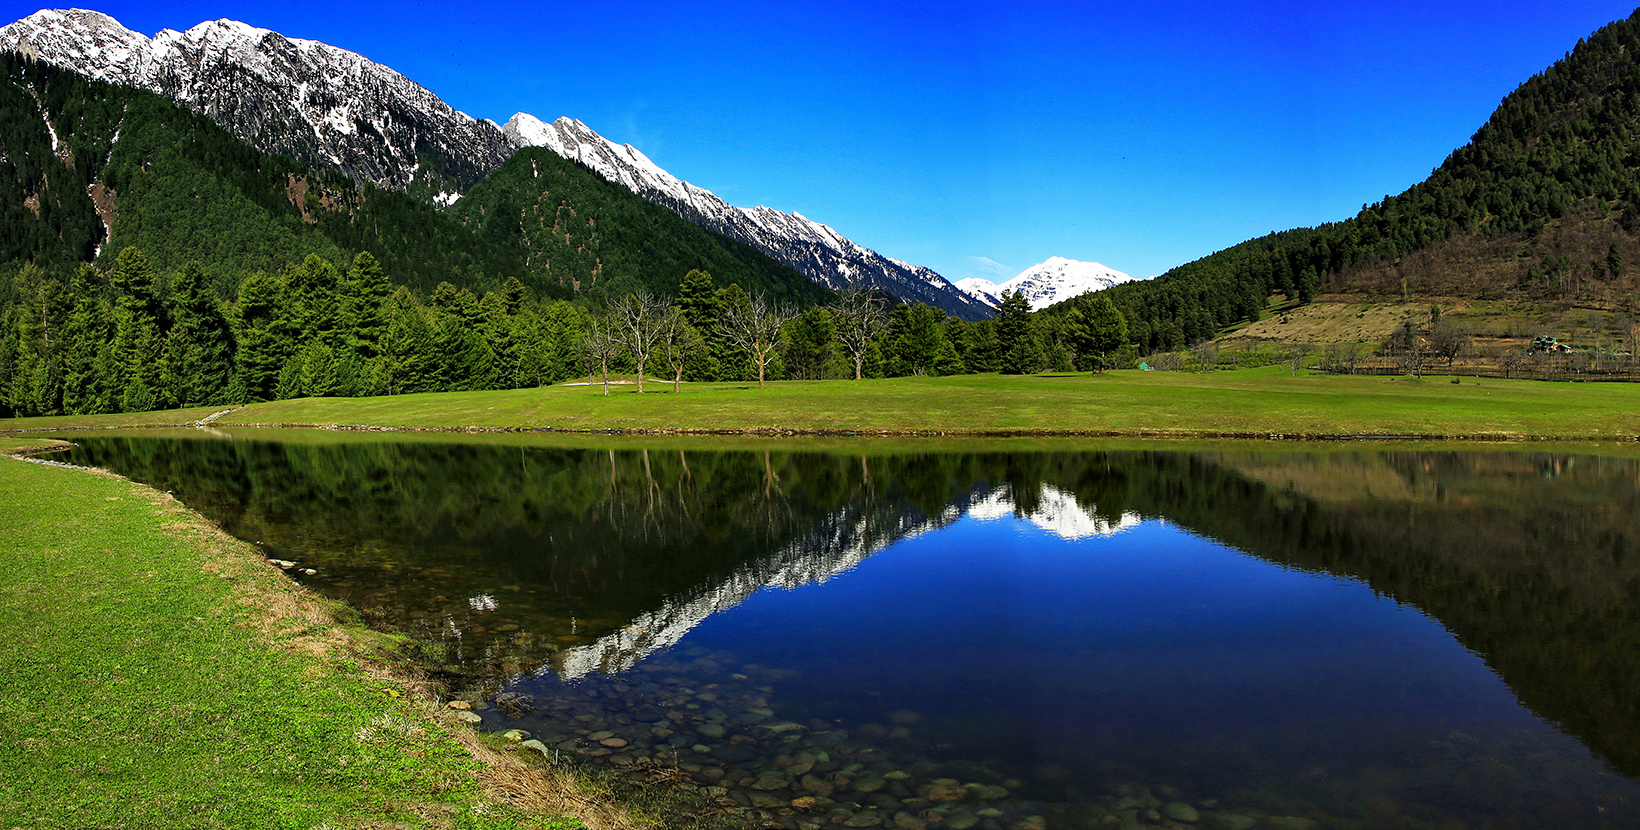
[1378, 637]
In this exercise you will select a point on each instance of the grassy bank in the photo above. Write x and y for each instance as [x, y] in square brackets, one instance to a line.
[160, 674]
[1263, 402]
[1252, 402]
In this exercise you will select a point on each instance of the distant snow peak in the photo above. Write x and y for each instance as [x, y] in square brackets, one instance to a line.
[1057, 512]
[814, 249]
[1054, 281]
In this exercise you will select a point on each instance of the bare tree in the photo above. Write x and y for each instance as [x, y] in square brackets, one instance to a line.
[754, 326]
[678, 343]
[1447, 339]
[1206, 354]
[599, 346]
[636, 322]
[1297, 357]
[860, 318]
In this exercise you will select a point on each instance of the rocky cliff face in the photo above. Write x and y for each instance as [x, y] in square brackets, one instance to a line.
[301, 98]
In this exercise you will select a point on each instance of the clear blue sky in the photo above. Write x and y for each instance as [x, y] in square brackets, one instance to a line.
[981, 138]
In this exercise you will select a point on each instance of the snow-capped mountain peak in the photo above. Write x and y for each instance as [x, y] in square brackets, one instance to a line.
[816, 250]
[332, 107]
[1053, 281]
[302, 98]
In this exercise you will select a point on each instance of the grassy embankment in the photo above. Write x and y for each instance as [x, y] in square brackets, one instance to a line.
[159, 673]
[1249, 403]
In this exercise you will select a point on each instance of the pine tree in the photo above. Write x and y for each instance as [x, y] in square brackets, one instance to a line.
[200, 355]
[408, 358]
[701, 307]
[265, 335]
[138, 335]
[86, 336]
[1016, 339]
[36, 386]
[364, 292]
[313, 291]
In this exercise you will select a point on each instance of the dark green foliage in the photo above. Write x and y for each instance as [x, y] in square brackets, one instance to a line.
[576, 232]
[1565, 142]
[1094, 330]
[199, 355]
[808, 345]
[915, 340]
[1019, 350]
[265, 334]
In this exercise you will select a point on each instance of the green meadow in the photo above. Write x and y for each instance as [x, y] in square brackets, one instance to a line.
[161, 674]
[1247, 403]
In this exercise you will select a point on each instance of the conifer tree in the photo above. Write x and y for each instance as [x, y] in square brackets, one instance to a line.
[36, 383]
[364, 292]
[86, 336]
[408, 352]
[199, 346]
[1016, 340]
[138, 336]
[313, 293]
[700, 305]
[265, 335]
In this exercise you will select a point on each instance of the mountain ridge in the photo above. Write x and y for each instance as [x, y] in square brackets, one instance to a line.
[330, 107]
[816, 250]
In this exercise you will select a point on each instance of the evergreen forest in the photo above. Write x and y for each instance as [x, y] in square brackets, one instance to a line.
[1543, 203]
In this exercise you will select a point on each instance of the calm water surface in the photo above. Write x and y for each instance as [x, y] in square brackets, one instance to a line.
[1259, 639]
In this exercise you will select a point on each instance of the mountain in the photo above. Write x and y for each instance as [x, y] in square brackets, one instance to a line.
[88, 168]
[1046, 283]
[817, 251]
[334, 108]
[300, 98]
[1541, 205]
[572, 229]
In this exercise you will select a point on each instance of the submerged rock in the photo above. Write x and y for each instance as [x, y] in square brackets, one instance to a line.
[1180, 811]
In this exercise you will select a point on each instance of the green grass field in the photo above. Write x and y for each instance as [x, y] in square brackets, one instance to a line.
[1253, 402]
[158, 674]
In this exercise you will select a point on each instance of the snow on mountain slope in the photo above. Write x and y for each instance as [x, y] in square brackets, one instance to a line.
[301, 98]
[1050, 282]
[335, 108]
[815, 250]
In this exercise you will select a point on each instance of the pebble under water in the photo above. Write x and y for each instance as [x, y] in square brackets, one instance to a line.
[1079, 639]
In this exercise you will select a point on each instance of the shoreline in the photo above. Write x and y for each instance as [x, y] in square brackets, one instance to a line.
[799, 432]
[289, 618]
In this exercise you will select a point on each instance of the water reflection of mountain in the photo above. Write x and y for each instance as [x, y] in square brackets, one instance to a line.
[507, 559]
[838, 541]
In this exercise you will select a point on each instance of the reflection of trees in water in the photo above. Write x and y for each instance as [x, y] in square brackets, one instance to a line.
[1522, 556]
[1526, 557]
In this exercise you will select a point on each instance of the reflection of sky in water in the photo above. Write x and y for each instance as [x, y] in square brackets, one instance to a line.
[1151, 631]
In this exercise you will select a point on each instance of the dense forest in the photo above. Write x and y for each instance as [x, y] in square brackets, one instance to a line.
[1543, 202]
[136, 338]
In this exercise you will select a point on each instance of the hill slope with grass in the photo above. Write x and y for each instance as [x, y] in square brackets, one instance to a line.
[1542, 205]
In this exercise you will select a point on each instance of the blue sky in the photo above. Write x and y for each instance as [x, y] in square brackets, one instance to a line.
[981, 138]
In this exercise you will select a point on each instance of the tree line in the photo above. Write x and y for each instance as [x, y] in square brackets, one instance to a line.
[136, 338]
[1559, 152]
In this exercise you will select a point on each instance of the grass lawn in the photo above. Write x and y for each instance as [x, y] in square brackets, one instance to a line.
[1252, 402]
[159, 674]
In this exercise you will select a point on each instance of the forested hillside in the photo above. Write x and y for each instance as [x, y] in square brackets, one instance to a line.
[1542, 203]
[88, 168]
[576, 231]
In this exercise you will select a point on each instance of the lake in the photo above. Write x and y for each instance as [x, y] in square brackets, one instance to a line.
[1054, 636]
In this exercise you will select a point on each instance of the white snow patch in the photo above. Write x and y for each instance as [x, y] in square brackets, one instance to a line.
[1056, 280]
